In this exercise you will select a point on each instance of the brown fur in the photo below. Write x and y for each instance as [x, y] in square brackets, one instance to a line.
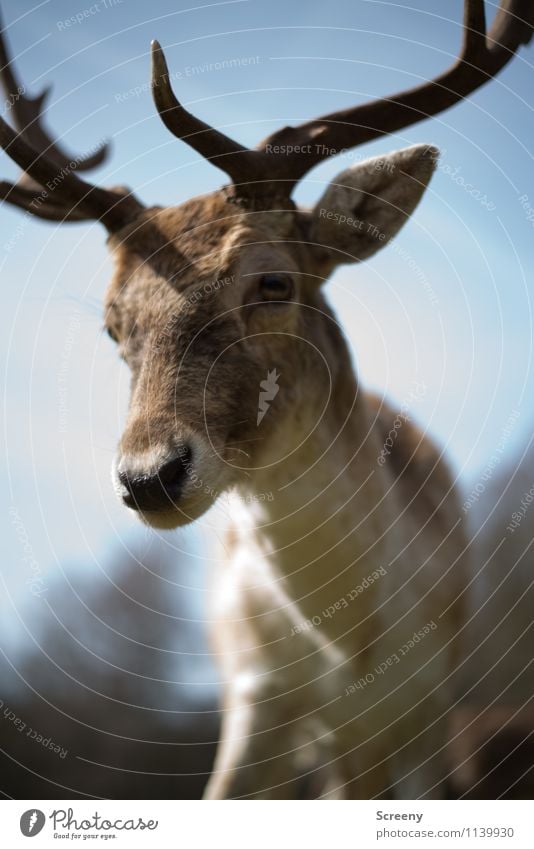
[186, 307]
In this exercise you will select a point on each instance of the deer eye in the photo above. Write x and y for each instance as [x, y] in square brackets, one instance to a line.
[276, 287]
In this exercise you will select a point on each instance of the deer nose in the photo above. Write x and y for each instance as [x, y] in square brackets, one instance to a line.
[155, 491]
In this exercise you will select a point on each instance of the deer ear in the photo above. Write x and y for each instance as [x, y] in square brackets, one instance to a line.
[366, 205]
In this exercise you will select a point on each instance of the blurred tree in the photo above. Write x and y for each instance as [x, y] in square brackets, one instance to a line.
[492, 751]
[110, 703]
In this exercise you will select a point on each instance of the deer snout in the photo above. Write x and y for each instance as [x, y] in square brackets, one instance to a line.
[158, 489]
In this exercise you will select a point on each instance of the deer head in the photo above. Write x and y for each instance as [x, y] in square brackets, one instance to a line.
[213, 299]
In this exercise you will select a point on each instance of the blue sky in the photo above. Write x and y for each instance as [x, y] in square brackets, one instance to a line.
[470, 242]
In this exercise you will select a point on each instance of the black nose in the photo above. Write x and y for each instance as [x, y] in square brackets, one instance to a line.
[159, 490]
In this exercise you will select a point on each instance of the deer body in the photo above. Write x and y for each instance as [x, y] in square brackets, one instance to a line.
[327, 673]
[292, 657]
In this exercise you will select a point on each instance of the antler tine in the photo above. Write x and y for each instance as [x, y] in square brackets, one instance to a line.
[50, 186]
[73, 193]
[482, 56]
[513, 25]
[265, 171]
[28, 112]
[35, 204]
[240, 163]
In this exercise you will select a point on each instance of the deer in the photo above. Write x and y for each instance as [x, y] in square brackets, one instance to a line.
[338, 612]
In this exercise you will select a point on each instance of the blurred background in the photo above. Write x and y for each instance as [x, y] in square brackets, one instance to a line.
[103, 647]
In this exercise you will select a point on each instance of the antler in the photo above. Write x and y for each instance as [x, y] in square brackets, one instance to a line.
[49, 188]
[223, 151]
[266, 170]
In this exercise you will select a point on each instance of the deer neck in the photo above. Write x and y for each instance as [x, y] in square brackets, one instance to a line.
[313, 518]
